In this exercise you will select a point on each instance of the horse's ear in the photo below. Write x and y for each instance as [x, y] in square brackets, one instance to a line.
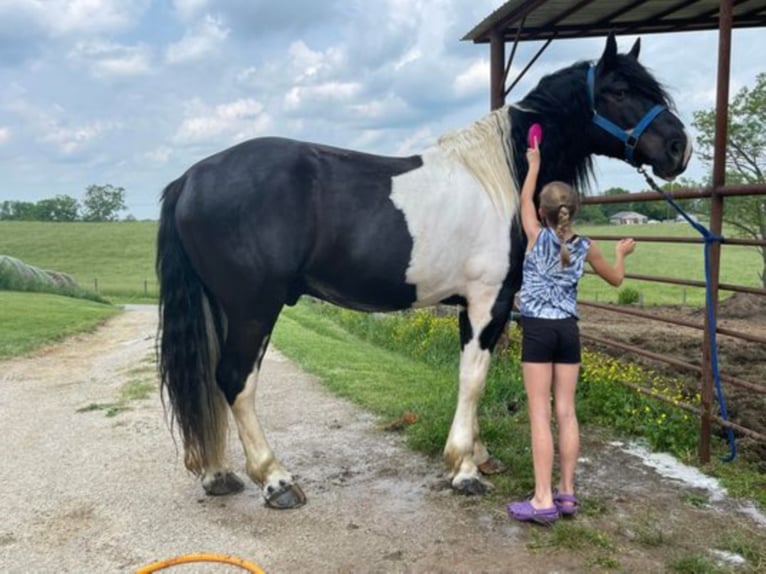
[609, 57]
[635, 49]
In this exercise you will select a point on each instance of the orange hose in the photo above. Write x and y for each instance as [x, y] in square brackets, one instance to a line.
[201, 557]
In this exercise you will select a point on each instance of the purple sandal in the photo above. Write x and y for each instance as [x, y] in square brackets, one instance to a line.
[525, 512]
[567, 504]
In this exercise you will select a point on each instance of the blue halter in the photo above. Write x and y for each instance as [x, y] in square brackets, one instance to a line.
[628, 137]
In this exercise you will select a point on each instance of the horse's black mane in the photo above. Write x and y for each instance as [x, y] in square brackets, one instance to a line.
[562, 94]
[642, 81]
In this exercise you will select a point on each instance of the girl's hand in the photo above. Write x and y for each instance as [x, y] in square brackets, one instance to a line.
[533, 156]
[625, 246]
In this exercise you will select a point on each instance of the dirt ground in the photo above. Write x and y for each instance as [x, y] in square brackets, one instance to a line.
[744, 360]
[88, 489]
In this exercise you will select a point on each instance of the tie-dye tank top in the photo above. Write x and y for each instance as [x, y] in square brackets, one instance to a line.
[549, 291]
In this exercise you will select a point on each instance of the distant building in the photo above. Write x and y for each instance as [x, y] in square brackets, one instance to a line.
[627, 218]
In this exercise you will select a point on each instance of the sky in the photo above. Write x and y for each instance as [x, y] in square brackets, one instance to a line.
[133, 93]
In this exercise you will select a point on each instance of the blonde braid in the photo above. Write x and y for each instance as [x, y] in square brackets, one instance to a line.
[558, 204]
[562, 226]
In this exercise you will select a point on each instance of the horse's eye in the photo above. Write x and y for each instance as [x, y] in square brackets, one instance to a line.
[620, 94]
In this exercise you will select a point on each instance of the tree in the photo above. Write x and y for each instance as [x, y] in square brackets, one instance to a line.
[690, 206]
[592, 213]
[59, 208]
[745, 158]
[610, 209]
[18, 211]
[103, 202]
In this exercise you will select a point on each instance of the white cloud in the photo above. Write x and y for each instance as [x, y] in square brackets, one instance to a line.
[308, 64]
[55, 125]
[373, 112]
[233, 121]
[5, 135]
[69, 140]
[472, 80]
[198, 43]
[416, 142]
[63, 17]
[69, 16]
[321, 94]
[413, 55]
[247, 76]
[105, 59]
[160, 155]
[189, 9]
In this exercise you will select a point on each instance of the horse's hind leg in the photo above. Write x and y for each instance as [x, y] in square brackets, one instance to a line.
[217, 479]
[245, 347]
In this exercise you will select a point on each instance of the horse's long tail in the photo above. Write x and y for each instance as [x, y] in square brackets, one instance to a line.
[189, 343]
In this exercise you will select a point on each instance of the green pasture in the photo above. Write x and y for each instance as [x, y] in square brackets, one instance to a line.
[114, 259]
[739, 265]
[30, 320]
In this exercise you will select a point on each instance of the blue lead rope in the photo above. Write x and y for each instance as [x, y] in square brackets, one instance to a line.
[709, 238]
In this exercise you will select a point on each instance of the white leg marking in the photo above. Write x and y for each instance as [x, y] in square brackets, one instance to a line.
[262, 466]
[474, 364]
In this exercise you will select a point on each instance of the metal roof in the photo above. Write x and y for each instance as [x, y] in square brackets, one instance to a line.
[548, 19]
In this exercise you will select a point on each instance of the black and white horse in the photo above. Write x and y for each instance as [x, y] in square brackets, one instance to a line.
[252, 228]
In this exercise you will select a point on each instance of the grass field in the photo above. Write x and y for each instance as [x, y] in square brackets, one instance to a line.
[114, 259]
[117, 259]
[739, 265]
[30, 320]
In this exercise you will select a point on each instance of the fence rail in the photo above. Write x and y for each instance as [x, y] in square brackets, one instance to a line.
[704, 369]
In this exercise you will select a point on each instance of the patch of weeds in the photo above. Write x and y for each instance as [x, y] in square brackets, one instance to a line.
[134, 390]
[745, 545]
[652, 536]
[628, 296]
[110, 409]
[572, 537]
[741, 479]
[146, 367]
[137, 389]
[694, 564]
[695, 500]
[606, 562]
[593, 506]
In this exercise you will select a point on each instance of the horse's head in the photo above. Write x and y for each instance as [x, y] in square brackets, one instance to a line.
[632, 117]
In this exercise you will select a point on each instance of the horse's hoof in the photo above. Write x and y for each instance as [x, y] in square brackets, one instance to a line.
[492, 466]
[223, 483]
[471, 487]
[287, 496]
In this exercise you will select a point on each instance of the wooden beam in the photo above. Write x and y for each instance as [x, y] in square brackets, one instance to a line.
[496, 70]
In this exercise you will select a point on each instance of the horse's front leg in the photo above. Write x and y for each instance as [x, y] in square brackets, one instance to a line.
[480, 326]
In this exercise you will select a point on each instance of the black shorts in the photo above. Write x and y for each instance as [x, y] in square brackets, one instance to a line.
[550, 340]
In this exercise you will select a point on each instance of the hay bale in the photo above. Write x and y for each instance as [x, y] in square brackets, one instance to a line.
[15, 275]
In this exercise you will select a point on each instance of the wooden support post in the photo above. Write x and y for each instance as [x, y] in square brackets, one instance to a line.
[496, 70]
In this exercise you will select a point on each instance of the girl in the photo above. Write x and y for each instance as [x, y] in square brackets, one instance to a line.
[550, 355]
